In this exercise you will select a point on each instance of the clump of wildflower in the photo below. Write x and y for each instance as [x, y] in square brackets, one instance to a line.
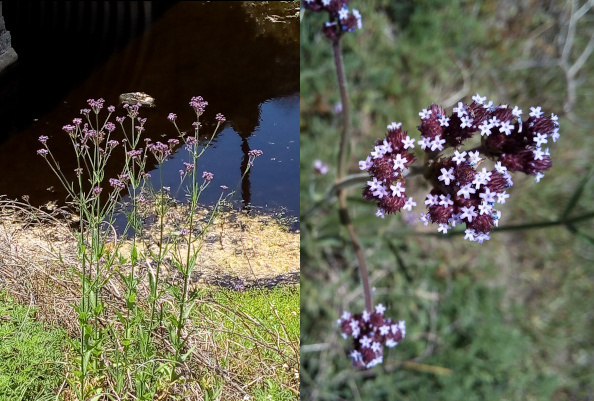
[387, 164]
[220, 118]
[464, 190]
[43, 139]
[341, 18]
[370, 332]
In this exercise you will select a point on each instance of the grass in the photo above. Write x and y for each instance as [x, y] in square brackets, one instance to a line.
[243, 343]
[501, 320]
[32, 363]
[34, 353]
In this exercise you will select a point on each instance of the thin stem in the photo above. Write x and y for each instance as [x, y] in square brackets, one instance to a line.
[342, 165]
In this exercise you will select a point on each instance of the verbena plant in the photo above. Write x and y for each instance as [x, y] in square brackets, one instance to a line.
[468, 157]
[121, 344]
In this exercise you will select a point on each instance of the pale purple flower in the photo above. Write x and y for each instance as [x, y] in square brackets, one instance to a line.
[208, 176]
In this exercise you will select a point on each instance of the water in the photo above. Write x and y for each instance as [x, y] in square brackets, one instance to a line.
[242, 57]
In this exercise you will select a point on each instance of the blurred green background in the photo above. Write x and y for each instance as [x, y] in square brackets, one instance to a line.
[509, 319]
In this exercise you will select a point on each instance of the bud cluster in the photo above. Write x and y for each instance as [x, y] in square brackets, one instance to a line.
[341, 19]
[463, 189]
[370, 332]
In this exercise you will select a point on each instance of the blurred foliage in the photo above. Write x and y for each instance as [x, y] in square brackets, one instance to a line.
[509, 319]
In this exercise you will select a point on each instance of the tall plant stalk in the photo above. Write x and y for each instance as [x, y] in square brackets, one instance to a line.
[342, 167]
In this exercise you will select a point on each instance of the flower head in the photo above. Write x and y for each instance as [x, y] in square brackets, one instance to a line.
[462, 192]
[370, 331]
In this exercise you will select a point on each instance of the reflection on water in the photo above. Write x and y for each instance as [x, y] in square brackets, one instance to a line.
[270, 182]
[242, 57]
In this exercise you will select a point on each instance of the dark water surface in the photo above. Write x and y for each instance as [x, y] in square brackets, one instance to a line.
[242, 57]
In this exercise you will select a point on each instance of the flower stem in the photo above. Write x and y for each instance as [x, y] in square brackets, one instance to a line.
[342, 166]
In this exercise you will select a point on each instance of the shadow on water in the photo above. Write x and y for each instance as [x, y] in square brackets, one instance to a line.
[242, 57]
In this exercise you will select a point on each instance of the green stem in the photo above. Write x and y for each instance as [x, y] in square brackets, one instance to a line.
[342, 166]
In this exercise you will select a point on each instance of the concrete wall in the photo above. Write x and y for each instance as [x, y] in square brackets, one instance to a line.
[7, 53]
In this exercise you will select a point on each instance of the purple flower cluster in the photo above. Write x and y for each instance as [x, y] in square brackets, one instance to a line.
[341, 19]
[220, 118]
[255, 153]
[464, 189]
[370, 332]
[208, 176]
[159, 150]
[96, 105]
[198, 104]
[387, 164]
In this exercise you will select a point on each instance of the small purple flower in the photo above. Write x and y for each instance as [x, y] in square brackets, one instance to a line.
[120, 119]
[132, 110]
[42, 152]
[112, 143]
[134, 154]
[69, 129]
[97, 190]
[224, 187]
[96, 105]
[43, 139]
[114, 182]
[220, 118]
[85, 111]
[173, 142]
[207, 176]
[78, 171]
[185, 231]
[111, 109]
[189, 166]
[110, 127]
[171, 117]
[77, 121]
[255, 153]
[320, 167]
